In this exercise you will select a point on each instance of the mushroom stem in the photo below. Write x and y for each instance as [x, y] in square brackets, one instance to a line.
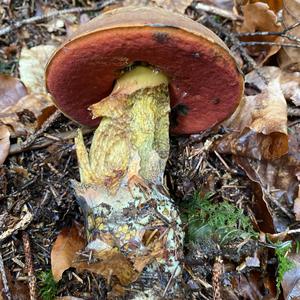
[133, 227]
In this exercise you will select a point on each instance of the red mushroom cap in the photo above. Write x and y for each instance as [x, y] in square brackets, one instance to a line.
[205, 82]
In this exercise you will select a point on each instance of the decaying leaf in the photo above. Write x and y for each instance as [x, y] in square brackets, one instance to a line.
[290, 85]
[259, 125]
[68, 243]
[291, 279]
[276, 184]
[11, 90]
[289, 58]
[68, 298]
[24, 116]
[112, 263]
[262, 148]
[32, 67]
[172, 5]
[258, 17]
[4, 143]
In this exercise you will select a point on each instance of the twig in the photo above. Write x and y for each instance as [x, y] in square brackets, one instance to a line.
[282, 33]
[234, 40]
[270, 44]
[29, 266]
[217, 11]
[293, 112]
[29, 141]
[216, 280]
[79, 10]
[45, 142]
[4, 280]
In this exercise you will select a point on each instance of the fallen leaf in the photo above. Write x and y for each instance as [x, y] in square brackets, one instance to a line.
[275, 185]
[32, 67]
[259, 125]
[289, 58]
[25, 116]
[112, 263]
[297, 206]
[4, 143]
[291, 279]
[172, 5]
[275, 5]
[11, 90]
[68, 243]
[290, 85]
[258, 17]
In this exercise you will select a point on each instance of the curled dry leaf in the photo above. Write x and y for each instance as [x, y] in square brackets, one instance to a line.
[24, 117]
[11, 90]
[172, 5]
[68, 243]
[259, 125]
[32, 67]
[4, 143]
[258, 17]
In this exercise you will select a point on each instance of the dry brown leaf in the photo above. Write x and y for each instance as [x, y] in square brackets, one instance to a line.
[11, 90]
[259, 125]
[258, 17]
[289, 58]
[275, 5]
[173, 5]
[68, 243]
[25, 116]
[4, 143]
[276, 185]
[113, 263]
[32, 67]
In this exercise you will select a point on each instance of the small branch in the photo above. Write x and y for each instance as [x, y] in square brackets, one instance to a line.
[282, 33]
[293, 112]
[217, 11]
[30, 140]
[18, 24]
[29, 266]
[266, 33]
[269, 44]
[6, 290]
[234, 40]
[46, 141]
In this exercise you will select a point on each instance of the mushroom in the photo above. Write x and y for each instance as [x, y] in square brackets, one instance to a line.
[126, 70]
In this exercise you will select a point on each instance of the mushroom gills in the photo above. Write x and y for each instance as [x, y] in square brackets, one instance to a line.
[129, 212]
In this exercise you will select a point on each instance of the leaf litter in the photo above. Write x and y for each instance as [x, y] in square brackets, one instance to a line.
[199, 164]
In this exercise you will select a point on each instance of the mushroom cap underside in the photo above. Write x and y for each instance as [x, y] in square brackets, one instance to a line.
[205, 83]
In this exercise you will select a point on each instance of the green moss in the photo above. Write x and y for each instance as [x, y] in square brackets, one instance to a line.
[222, 222]
[48, 286]
[284, 263]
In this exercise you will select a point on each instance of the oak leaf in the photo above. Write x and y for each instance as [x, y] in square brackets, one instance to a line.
[68, 243]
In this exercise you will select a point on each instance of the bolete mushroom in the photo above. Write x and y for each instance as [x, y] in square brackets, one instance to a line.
[140, 62]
